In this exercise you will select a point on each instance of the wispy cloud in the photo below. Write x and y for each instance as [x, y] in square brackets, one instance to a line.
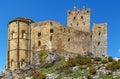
[116, 58]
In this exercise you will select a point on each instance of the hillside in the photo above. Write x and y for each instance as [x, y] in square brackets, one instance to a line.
[59, 66]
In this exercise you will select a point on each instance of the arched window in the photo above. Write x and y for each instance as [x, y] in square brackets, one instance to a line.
[39, 43]
[22, 62]
[23, 34]
[13, 34]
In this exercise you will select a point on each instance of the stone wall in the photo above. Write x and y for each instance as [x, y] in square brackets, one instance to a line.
[99, 40]
[19, 47]
[79, 20]
[60, 38]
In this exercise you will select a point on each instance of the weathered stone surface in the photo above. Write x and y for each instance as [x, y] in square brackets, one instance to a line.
[52, 57]
[51, 76]
[103, 71]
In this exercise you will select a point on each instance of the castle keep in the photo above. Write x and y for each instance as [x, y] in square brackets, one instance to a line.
[26, 37]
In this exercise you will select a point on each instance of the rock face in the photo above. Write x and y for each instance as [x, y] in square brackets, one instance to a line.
[51, 76]
[103, 71]
[52, 57]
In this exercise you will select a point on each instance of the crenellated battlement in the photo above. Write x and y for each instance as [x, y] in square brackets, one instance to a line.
[78, 11]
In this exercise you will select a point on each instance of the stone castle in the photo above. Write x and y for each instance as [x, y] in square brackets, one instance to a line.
[26, 36]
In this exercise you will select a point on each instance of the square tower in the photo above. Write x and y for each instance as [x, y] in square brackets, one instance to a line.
[79, 20]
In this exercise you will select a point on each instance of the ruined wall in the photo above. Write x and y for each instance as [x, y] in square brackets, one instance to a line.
[60, 38]
[78, 42]
[99, 40]
[79, 20]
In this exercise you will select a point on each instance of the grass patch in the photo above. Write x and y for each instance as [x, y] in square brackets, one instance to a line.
[53, 68]
[109, 77]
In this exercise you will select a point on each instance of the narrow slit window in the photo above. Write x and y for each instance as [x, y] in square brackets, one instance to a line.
[74, 17]
[99, 33]
[50, 38]
[68, 39]
[91, 36]
[81, 17]
[39, 34]
[11, 62]
[98, 43]
[39, 43]
[23, 34]
[13, 34]
[51, 31]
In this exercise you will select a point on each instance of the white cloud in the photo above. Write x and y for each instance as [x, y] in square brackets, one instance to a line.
[116, 58]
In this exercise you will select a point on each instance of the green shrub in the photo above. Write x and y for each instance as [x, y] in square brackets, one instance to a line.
[110, 67]
[43, 55]
[71, 63]
[79, 60]
[38, 75]
[97, 59]
[104, 61]
[110, 59]
[115, 65]
[92, 71]
[84, 60]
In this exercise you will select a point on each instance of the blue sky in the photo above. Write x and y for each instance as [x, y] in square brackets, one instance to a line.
[102, 11]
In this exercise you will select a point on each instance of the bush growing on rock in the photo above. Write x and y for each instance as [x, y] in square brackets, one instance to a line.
[79, 60]
[110, 59]
[97, 59]
[115, 65]
[92, 71]
[38, 75]
[43, 55]
[104, 61]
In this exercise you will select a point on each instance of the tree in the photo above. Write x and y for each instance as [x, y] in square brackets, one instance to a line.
[110, 59]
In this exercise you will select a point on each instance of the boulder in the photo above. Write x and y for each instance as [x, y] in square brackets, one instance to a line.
[51, 76]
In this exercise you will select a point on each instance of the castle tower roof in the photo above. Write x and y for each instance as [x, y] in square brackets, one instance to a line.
[22, 20]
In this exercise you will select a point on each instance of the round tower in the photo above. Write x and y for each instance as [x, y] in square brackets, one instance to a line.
[19, 43]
